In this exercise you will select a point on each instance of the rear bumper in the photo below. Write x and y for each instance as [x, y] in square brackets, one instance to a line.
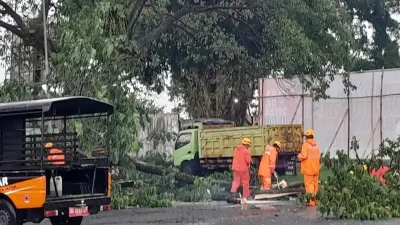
[73, 201]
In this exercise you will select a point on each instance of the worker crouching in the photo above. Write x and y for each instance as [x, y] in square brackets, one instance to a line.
[310, 158]
[241, 169]
[378, 173]
[268, 164]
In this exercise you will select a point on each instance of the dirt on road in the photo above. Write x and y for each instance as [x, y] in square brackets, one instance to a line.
[285, 213]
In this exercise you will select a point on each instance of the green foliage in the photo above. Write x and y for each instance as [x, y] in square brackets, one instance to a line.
[293, 38]
[138, 197]
[18, 90]
[351, 193]
[162, 189]
[382, 50]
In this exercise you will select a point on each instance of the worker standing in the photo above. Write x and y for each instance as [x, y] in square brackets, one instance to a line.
[241, 169]
[310, 157]
[55, 155]
[268, 164]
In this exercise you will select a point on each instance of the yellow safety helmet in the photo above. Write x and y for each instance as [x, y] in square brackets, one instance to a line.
[277, 143]
[309, 132]
[48, 145]
[246, 141]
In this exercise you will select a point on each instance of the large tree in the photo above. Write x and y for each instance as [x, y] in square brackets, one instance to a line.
[215, 50]
[292, 38]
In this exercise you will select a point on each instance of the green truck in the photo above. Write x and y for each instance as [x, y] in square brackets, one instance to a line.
[203, 147]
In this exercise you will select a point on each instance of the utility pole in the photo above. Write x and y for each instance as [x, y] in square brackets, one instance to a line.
[46, 57]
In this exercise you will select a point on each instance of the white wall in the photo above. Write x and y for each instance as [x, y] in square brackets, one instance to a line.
[325, 116]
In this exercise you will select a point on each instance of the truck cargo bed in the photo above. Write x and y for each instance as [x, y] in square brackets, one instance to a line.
[220, 143]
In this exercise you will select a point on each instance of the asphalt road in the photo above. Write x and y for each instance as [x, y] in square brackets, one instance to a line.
[221, 214]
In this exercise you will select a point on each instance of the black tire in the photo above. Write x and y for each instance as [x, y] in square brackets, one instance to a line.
[256, 162]
[8, 216]
[188, 167]
[63, 220]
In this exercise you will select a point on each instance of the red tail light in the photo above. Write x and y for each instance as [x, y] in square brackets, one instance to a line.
[105, 207]
[51, 213]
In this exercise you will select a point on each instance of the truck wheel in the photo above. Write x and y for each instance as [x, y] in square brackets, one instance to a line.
[256, 162]
[63, 220]
[188, 167]
[8, 215]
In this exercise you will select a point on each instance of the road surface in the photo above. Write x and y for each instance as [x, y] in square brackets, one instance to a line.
[220, 214]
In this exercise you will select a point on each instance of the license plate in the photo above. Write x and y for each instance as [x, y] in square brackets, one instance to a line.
[78, 211]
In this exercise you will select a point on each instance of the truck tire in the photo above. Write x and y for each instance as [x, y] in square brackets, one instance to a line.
[188, 167]
[256, 162]
[63, 220]
[8, 216]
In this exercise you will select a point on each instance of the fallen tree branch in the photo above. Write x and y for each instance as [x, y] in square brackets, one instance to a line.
[279, 191]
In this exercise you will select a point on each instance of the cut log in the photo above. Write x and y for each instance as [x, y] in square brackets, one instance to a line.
[279, 191]
[268, 196]
[296, 185]
[254, 202]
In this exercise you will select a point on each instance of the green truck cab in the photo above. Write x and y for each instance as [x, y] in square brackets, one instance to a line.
[201, 146]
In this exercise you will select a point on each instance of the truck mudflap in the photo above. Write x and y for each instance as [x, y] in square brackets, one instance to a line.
[79, 205]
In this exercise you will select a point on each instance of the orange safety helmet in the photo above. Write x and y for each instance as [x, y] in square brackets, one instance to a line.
[277, 143]
[48, 145]
[309, 132]
[246, 141]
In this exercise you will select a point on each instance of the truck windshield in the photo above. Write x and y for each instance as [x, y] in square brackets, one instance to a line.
[182, 140]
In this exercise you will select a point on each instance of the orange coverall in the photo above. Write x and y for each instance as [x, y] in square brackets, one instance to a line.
[240, 167]
[379, 173]
[310, 165]
[52, 157]
[267, 166]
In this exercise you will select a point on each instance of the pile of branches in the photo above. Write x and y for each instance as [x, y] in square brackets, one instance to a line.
[155, 183]
[351, 193]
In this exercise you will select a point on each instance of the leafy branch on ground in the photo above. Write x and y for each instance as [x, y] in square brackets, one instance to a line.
[161, 191]
[351, 193]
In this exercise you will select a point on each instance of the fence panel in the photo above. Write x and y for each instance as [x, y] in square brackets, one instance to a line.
[283, 102]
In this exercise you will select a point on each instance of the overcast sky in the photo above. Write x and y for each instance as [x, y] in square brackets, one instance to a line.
[162, 99]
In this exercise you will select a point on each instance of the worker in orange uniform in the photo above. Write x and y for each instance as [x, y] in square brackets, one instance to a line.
[310, 158]
[241, 169]
[268, 164]
[378, 173]
[52, 151]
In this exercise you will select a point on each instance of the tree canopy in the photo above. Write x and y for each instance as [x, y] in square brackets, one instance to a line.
[383, 50]
[214, 51]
